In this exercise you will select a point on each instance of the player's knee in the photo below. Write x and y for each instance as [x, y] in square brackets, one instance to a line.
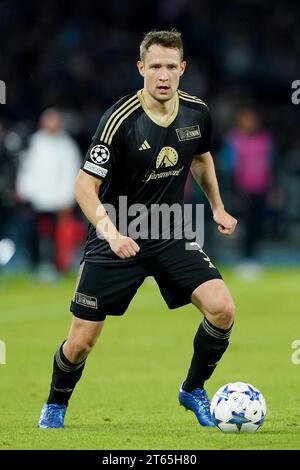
[226, 313]
[223, 313]
[79, 348]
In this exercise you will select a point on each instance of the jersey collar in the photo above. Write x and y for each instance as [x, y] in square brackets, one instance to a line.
[153, 117]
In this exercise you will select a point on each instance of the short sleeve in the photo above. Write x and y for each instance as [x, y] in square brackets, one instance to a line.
[205, 128]
[102, 152]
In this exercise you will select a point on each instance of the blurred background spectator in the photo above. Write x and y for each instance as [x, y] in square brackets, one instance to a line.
[45, 185]
[248, 160]
[8, 165]
[80, 58]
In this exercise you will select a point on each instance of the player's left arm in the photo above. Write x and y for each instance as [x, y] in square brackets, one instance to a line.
[203, 171]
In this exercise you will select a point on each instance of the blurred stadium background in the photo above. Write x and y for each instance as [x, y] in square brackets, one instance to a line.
[79, 58]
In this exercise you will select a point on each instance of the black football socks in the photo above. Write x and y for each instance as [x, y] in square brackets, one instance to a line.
[210, 343]
[64, 378]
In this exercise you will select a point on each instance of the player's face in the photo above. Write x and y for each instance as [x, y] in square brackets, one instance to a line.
[161, 68]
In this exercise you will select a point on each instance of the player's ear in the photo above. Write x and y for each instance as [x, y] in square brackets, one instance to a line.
[141, 68]
[182, 67]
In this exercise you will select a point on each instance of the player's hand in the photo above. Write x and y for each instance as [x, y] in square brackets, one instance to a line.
[226, 222]
[124, 247]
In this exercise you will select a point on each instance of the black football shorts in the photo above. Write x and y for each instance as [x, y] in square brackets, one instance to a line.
[107, 288]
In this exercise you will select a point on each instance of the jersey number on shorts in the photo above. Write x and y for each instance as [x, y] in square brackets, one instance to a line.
[204, 255]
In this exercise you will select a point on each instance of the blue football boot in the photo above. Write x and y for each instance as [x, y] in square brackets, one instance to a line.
[198, 402]
[52, 416]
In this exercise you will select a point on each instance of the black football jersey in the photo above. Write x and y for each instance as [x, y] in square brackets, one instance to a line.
[143, 163]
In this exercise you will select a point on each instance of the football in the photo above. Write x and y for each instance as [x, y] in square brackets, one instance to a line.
[238, 407]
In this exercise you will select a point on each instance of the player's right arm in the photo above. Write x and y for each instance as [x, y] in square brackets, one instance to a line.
[86, 192]
[100, 161]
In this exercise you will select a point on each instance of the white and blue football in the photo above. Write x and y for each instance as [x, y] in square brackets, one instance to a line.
[238, 407]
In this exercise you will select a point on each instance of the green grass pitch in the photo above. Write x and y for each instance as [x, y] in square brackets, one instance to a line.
[127, 398]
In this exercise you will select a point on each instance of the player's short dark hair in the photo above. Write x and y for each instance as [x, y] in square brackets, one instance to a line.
[170, 38]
